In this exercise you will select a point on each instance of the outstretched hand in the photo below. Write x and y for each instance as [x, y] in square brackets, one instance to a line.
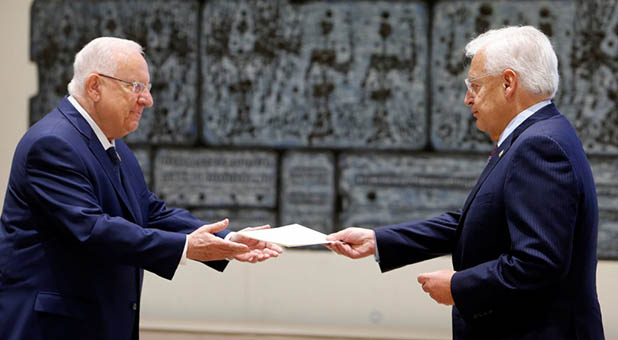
[259, 250]
[204, 246]
[354, 243]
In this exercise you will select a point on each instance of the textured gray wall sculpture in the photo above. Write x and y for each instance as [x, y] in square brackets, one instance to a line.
[329, 113]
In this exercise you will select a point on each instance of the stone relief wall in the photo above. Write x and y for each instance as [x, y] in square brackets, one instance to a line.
[329, 113]
[340, 75]
[457, 22]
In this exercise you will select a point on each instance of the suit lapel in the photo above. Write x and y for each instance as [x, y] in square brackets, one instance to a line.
[128, 188]
[71, 114]
[108, 167]
[488, 168]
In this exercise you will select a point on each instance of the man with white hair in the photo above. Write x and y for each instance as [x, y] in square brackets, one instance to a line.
[524, 245]
[79, 224]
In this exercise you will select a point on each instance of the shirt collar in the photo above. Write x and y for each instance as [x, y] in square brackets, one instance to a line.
[520, 118]
[97, 130]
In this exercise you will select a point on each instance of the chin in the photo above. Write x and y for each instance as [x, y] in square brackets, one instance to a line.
[133, 127]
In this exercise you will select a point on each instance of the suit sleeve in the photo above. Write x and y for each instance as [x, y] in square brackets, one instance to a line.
[61, 186]
[159, 216]
[541, 200]
[179, 221]
[412, 242]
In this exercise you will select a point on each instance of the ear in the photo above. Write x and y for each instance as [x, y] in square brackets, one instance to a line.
[510, 82]
[93, 87]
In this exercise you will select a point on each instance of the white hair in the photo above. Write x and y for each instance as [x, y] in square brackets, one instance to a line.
[525, 50]
[100, 55]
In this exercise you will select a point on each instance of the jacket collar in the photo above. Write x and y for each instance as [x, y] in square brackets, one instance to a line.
[546, 112]
[75, 118]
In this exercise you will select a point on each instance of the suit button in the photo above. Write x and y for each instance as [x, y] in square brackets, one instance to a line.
[134, 306]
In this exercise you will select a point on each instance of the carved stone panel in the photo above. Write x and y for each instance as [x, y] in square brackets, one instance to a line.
[379, 189]
[216, 178]
[592, 104]
[605, 172]
[312, 80]
[308, 190]
[326, 74]
[239, 218]
[143, 158]
[167, 29]
[455, 24]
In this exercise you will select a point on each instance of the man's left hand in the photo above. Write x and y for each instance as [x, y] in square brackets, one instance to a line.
[260, 250]
[438, 285]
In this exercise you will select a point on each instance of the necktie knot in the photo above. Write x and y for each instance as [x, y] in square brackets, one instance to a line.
[113, 155]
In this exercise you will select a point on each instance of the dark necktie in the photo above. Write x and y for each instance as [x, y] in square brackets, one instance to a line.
[113, 156]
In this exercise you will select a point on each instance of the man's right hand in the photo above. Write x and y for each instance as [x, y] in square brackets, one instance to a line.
[204, 246]
[354, 243]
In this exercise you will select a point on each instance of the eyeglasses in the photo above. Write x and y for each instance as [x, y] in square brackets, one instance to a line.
[137, 87]
[474, 88]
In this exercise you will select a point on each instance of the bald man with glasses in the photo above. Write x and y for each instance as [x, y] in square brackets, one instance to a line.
[79, 224]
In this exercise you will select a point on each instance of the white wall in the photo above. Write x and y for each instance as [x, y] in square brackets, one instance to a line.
[300, 290]
[18, 80]
[307, 289]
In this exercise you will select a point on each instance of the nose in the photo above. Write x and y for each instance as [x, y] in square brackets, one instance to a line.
[145, 98]
[469, 99]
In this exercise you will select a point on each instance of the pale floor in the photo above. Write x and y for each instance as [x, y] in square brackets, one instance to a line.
[146, 335]
[151, 329]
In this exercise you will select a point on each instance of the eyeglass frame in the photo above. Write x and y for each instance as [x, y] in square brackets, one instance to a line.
[136, 84]
[468, 82]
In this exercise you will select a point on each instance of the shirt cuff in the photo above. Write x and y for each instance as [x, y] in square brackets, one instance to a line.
[376, 256]
[183, 258]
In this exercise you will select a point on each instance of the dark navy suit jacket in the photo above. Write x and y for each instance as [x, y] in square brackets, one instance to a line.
[525, 243]
[74, 238]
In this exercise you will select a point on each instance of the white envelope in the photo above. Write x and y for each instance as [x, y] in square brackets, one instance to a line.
[292, 235]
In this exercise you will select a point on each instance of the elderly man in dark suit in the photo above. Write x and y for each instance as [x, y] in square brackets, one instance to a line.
[79, 224]
[524, 245]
